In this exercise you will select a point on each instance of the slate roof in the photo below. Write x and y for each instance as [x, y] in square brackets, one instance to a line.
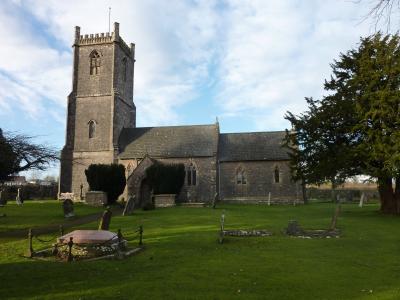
[252, 146]
[169, 141]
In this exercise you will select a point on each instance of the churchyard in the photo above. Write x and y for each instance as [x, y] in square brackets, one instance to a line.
[182, 258]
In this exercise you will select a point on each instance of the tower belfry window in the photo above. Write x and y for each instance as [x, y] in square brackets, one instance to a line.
[92, 129]
[94, 63]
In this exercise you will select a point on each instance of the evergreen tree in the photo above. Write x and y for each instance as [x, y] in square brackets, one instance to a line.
[356, 128]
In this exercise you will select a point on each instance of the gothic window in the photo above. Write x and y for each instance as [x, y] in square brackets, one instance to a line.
[92, 129]
[276, 175]
[124, 69]
[94, 63]
[241, 176]
[191, 175]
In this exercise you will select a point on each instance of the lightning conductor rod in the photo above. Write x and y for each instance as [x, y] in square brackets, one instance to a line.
[109, 19]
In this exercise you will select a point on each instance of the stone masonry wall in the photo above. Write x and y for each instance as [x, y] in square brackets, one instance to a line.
[81, 161]
[259, 182]
[99, 84]
[206, 175]
[205, 188]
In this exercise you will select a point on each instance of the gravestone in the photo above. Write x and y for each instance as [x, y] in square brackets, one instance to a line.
[18, 198]
[68, 208]
[215, 199]
[105, 220]
[294, 228]
[129, 206]
[3, 200]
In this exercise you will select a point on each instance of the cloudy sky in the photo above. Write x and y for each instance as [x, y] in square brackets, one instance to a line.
[245, 62]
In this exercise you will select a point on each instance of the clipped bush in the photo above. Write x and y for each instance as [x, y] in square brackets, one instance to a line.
[166, 179]
[107, 178]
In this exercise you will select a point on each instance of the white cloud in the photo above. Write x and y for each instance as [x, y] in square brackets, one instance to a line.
[278, 52]
[261, 57]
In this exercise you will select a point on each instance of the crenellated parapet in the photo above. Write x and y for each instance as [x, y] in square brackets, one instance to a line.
[89, 39]
[100, 38]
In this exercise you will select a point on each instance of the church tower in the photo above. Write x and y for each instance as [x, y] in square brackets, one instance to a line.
[99, 106]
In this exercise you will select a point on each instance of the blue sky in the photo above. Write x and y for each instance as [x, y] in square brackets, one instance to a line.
[245, 62]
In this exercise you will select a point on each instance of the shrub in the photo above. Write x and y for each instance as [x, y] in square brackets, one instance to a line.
[107, 178]
[166, 179]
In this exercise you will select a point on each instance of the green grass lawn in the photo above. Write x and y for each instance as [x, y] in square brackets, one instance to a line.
[39, 213]
[183, 260]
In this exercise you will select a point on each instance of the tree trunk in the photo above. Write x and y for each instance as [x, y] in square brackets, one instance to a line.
[387, 196]
[304, 192]
[397, 194]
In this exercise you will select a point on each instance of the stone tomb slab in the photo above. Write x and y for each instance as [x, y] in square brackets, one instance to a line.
[89, 237]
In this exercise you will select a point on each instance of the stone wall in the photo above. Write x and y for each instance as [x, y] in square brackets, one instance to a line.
[259, 182]
[206, 174]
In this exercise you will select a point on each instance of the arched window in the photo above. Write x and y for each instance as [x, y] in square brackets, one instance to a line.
[92, 128]
[191, 174]
[94, 63]
[124, 69]
[240, 176]
[276, 175]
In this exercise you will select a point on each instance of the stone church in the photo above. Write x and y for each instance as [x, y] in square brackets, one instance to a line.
[101, 128]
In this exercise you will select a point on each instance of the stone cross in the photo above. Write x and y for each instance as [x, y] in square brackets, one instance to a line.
[105, 220]
[68, 208]
[18, 198]
[129, 206]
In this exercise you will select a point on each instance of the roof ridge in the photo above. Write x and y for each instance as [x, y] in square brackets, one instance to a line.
[172, 126]
[254, 132]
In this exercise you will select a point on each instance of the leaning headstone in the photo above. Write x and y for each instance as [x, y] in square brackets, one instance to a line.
[3, 200]
[294, 228]
[18, 198]
[215, 199]
[362, 200]
[68, 208]
[129, 206]
[105, 220]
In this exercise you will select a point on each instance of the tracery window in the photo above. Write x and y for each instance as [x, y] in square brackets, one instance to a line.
[276, 175]
[94, 63]
[241, 176]
[191, 174]
[92, 129]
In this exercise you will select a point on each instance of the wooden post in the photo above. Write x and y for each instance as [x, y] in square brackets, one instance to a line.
[61, 230]
[140, 235]
[269, 198]
[30, 250]
[70, 244]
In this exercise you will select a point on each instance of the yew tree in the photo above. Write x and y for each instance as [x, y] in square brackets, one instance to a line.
[355, 129]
